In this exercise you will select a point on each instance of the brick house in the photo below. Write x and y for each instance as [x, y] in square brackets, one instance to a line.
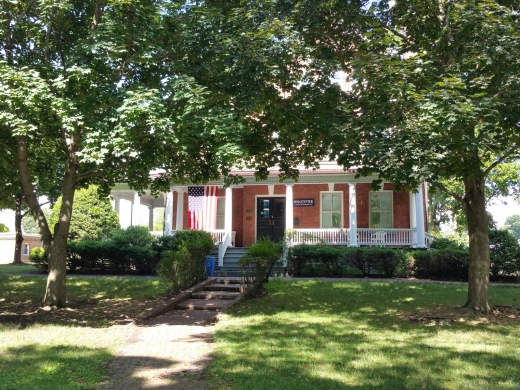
[326, 205]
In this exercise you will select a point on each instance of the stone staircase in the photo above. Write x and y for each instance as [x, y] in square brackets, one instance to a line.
[215, 296]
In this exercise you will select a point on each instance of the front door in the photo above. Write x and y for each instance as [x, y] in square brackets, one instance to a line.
[270, 220]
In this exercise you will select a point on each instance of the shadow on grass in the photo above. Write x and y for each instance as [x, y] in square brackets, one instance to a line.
[314, 335]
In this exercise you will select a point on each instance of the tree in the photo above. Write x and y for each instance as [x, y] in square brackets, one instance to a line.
[513, 225]
[3, 228]
[97, 91]
[92, 216]
[433, 96]
[29, 224]
[158, 219]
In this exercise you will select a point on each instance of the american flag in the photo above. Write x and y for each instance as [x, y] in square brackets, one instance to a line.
[202, 207]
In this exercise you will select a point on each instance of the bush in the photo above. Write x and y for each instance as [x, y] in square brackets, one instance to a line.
[129, 251]
[3, 228]
[182, 258]
[456, 242]
[447, 264]
[372, 261]
[325, 260]
[133, 236]
[38, 257]
[504, 253]
[257, 264]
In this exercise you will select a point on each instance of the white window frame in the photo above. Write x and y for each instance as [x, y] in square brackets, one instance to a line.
[391, 207]
[223, 199]
[341, 224]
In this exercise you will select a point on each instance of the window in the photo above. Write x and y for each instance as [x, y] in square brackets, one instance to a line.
[221, 212]
[381, 209]
[331, 209]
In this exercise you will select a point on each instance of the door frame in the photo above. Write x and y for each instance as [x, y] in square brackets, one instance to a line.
[256, 210]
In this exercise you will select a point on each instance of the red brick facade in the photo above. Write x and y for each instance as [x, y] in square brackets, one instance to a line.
[244, 207]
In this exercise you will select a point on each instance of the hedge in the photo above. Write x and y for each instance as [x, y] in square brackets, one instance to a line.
[449, 262]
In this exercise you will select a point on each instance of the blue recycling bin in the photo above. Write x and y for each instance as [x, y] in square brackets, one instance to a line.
[210, 265]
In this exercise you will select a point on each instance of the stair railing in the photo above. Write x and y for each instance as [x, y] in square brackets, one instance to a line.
[222, 247]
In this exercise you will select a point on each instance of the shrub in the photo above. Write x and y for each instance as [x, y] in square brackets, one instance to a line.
[372, 261]
[3, 228]
[441, 264]
[257, 264]
[450, 242]
[504, 253]
[182, 258]
[38, 257]
[133, 236]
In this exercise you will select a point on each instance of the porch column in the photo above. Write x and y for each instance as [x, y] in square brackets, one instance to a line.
[168, 213]
[419, 217]
[413, 222]
[136, 207]
[117, 201]
[352, 214]
[179, 222]
[150, 218]
[289, 204]
[228, 213]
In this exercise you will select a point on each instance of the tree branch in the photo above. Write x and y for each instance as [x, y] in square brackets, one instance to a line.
[511, 150]
[445, 190]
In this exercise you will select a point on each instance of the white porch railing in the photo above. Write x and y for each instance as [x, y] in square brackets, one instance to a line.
[428, 239]
[317, 236]
[217, 235]
[222, 247]
[376, 237]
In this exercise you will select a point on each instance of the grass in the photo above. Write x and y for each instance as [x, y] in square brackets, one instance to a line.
[6, 269]
[66, 349]
[367, 335]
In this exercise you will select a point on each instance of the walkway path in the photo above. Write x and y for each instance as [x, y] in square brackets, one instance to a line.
[171, 351]
[168, 352]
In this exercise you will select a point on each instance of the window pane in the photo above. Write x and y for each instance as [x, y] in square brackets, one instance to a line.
[220, 221]
[336, 202]
[386, 219]
[386, 201]
[326, 202]
[326, 221]
[375, 219]
[336, 220]
[221, 206]
[375, 203]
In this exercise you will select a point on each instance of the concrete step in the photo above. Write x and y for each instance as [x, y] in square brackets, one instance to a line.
[223, 287]
[232, 281]
[207, 295]
[229, 273]
[203, 304]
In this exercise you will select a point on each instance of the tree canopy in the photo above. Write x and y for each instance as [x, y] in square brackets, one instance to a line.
[512, 224]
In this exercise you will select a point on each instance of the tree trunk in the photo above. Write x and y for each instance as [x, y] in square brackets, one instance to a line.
[55, 245]
[478, 280]
[18, 229]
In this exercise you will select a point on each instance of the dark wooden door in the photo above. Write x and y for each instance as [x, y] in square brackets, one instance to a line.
[270, 221]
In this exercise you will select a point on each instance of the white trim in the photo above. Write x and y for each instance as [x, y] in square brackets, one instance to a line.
[321, 210]
[391, 207]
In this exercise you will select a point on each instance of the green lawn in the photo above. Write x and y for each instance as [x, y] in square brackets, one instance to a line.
[66, 349]
[367, 335]
[6, 269]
